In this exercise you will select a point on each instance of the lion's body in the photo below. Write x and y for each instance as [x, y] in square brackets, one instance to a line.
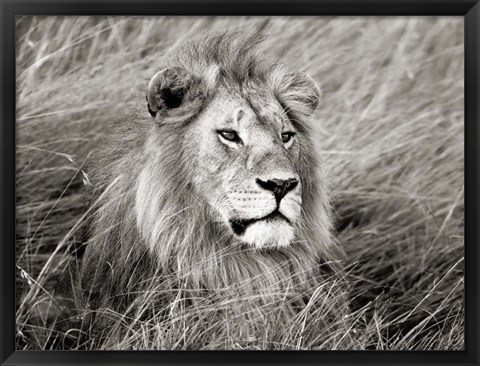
[154, 235]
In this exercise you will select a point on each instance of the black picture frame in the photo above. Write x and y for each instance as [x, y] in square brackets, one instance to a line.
[471, 12]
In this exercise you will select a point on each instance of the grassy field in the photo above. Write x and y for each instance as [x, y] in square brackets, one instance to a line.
[392, 115]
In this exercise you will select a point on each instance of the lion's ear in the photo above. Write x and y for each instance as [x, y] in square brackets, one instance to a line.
[298, 92]
[168, 88]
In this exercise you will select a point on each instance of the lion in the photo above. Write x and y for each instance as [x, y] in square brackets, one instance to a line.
[213, 189]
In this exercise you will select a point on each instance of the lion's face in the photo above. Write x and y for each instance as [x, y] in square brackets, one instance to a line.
[247, 153]
[241, 148]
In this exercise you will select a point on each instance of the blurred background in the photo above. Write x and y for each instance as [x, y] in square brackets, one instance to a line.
[392, 117]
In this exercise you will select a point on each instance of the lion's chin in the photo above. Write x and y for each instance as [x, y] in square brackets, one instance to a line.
[269, 234]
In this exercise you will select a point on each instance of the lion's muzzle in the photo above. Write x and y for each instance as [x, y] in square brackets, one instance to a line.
[264, 213]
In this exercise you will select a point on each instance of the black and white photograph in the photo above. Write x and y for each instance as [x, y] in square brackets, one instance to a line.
[239, 183]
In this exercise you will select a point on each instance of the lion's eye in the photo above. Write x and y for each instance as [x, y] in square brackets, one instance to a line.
[229, 135]
[287, 136]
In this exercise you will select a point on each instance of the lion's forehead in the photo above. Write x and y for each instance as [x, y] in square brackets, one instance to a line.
[251, 106]
[263, 103]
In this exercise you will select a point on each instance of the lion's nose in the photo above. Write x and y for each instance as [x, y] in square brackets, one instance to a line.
[279, 187]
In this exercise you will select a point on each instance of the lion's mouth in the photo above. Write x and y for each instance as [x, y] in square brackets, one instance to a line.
[240, 225]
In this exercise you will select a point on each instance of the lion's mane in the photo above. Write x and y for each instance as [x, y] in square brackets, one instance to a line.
[192, 257]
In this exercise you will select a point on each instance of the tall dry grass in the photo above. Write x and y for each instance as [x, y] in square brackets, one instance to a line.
[392, 113]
